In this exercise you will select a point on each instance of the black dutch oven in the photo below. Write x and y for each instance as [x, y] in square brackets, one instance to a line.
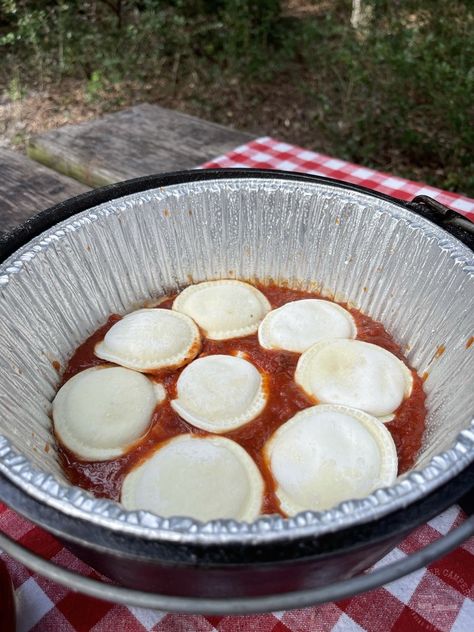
[423, 254]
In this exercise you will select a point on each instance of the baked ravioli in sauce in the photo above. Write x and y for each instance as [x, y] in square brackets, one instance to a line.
[232, 400]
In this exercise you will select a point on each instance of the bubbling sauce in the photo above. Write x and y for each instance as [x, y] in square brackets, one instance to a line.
[286, 398]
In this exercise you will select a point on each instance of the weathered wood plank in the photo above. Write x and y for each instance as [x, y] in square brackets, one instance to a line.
[138, 141]
[27, 187]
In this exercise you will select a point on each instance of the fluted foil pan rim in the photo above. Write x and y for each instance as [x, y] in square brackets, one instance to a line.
[78, 503]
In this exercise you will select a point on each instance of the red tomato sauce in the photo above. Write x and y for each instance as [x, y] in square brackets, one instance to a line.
[286, 398]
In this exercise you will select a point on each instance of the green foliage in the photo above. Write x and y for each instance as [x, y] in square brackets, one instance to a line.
[407, 86]
[95, 86]
[121, 38]
[15, 89]
[397, 95]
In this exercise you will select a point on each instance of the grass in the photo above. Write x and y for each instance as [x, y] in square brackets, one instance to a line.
[396, 95]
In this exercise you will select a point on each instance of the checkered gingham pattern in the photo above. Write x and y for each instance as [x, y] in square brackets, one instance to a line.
[268, 153]
[436, 598]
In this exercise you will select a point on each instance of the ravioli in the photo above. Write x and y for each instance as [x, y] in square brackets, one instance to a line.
[327, 454]
[150, 340]
[219, 393]
[298, 325]
[354, 373]
[223, 309]
[203, 478]
[100, 412]
[258, 410]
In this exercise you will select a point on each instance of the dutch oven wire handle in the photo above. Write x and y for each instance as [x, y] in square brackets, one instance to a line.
[340, 590]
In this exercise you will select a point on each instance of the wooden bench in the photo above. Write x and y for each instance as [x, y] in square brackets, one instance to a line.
[27, 187]
[139, 141]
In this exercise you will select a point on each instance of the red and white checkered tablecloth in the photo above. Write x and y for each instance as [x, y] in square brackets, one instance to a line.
[436, 598]
[268, 153]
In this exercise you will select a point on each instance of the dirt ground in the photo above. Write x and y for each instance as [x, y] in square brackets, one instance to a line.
[40, 111]
[258, 109]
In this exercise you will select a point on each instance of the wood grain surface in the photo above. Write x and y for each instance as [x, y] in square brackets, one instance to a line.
[139, 141]
[27, 187]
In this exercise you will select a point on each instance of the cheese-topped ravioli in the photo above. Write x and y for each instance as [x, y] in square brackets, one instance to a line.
[354, 373]
[223, 309]
[102, 411]
[298, 325]
[205, 478]
[150, 340]
[327, 454]
[219, 393]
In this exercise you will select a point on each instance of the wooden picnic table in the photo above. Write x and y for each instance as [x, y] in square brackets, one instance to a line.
[141, 140]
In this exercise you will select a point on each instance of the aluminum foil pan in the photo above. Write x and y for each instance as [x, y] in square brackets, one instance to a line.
[399, 268]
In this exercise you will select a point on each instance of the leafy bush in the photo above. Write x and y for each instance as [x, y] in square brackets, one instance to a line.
[124, 37]
[405, 90]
